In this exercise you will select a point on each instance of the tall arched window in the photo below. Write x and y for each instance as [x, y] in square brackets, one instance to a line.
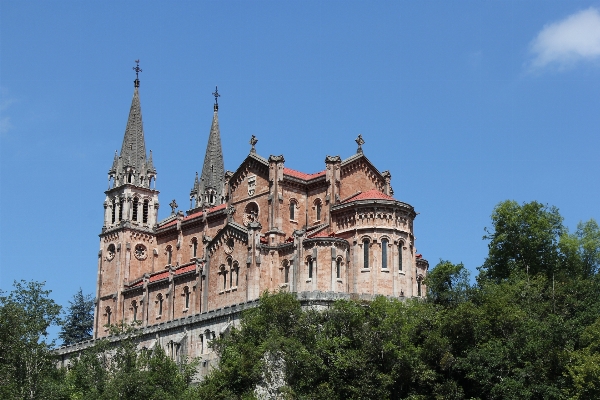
[186, 294]
[121, 202]
[134, 308]
[108, 314]
[384, 246]
[419, 279]
[366, 253]
[236, 268]
[292, 210]
[159, 301]
[286, 271]
[224, 273]
[194, 248]
[114, 210]
[129, 178]
[338, 268]
[145, 212]
[318, 209]
[400, 255]
[135, 208]
[169, 254]
[310, 267]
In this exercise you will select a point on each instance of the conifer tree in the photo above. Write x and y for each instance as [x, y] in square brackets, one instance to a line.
[79, 320]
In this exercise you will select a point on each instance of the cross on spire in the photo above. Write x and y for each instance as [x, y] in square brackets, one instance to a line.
[137, 70]
[217, 95]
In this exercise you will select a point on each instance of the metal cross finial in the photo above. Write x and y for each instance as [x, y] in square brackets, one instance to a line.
[217, 95]
[360, 141]
[253, 141]
[137, 70]
[173, 206]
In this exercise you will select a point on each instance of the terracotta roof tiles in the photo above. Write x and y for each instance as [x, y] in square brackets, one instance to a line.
[372, 194]
[302, 175]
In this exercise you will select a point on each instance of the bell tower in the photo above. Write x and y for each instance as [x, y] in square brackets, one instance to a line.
[127, 240]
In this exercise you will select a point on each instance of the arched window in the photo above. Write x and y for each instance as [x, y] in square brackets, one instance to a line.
[134, 308]
[318, 209]
[292, 210]
[121, 202]
[338, 268]
[186, 294]
[384, 246]
[224, 273]
[159, 301]
[419, 279]
[236, 268]
[194, 248]
[400, 246]
[366, 253]
[129, 178]
[211, 198]
[169, 254]
[145, 212]
[310, 267]
[108, 314]
[135, 208]
[286, 271]
[114, 210]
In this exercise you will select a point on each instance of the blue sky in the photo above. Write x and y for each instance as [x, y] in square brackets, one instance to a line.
[467, 103]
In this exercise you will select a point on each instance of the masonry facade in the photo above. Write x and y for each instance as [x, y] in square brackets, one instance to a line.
[337, 233]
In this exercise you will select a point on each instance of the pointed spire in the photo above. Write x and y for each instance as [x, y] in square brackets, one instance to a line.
[212, 181]
[132, 166]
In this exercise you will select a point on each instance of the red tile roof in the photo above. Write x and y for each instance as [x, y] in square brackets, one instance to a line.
[302, 175]
[196, 214]
[183, 270]
[140, 283]
[159, 276]
[372, 194]
[419, 256]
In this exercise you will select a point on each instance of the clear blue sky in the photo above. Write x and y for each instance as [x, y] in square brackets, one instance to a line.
[467, 103]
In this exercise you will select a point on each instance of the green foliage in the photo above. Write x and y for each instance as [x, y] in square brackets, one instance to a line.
[26, 366]
[524, 239]
[106, 372]
[447, 283]
[79, 320]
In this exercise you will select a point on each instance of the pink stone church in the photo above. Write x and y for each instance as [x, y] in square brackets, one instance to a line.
[337, 233]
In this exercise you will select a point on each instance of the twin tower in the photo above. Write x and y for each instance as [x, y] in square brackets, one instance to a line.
[182, 280]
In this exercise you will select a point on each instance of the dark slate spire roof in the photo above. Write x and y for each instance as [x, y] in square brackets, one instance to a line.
[133, 150]
[132, 165]
[212, 180]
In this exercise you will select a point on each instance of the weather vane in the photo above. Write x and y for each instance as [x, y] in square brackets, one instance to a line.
[137, 70]
[217, 95]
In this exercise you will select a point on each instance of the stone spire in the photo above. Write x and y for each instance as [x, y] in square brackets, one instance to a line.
[132, 166]
[209, 190]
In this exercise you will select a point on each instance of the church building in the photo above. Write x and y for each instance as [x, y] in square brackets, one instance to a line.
[337, 233]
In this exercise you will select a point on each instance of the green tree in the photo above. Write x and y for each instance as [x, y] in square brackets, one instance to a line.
[447, 283]
[122, 371]
[27, 370]
[78, 322]
[524, 238]
[581, 250]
